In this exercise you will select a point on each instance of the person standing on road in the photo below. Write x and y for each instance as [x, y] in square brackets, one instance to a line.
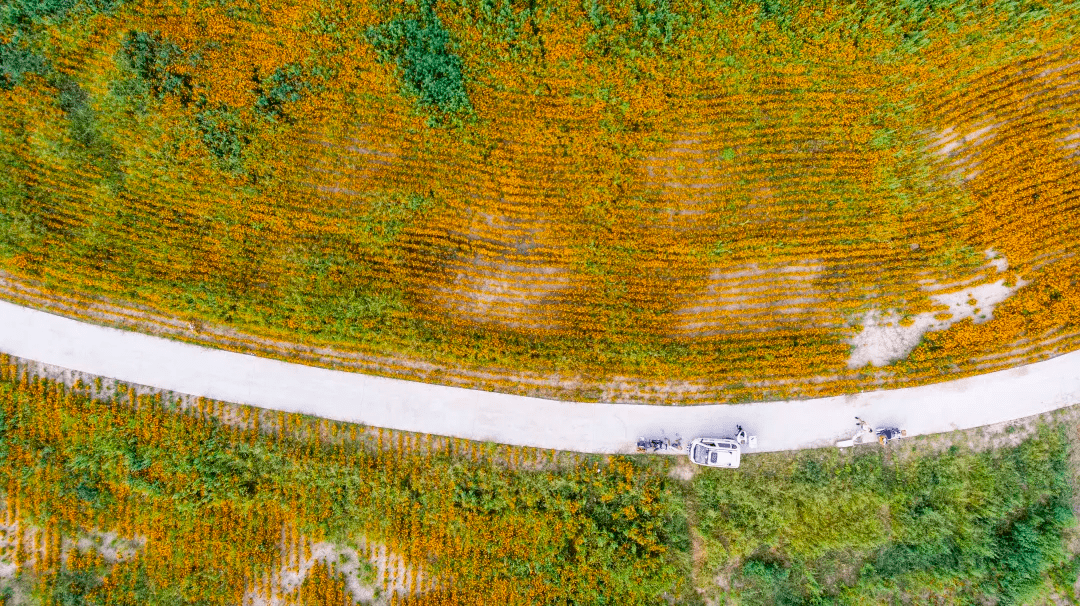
[862, 427]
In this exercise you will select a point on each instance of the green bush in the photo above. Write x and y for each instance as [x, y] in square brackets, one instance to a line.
[16, 60]
[653, 27]
[421, 49]
[286, 85]
[91, 144]
[989, 524]
[75, 103]
[22, 13]
[21, 225]
[158, 64]
[656, 23]
[154, 59]
[224, 135]
[74, 587]
[1026, 549]
[129, 585]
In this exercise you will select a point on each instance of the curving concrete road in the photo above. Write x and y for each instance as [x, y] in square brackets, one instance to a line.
[510, 419]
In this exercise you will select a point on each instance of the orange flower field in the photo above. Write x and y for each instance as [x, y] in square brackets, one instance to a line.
[652, 201]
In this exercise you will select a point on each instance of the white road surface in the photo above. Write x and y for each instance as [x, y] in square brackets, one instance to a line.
[511, 419]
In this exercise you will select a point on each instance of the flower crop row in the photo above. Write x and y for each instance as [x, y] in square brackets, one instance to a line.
[225, 503]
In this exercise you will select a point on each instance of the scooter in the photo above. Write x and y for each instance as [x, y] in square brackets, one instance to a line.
[863, 433]
[659, 445]
[887, 434]
[655, 445]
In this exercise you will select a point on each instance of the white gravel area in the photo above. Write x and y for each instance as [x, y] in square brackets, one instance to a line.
[885, 339]
[480, 415]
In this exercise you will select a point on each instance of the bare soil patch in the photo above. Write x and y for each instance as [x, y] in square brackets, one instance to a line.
[752, 296]
[342, 161]
[32, 545]
[510, 274]
[887, 337]
[685, 165]
[961, 148]
[1070, 143]
[686, 176]
[516, 296]
[372, 574]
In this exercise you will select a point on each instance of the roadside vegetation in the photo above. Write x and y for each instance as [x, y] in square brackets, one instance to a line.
[629, 193]
[223, 511]
[115, 496]
[954, 527]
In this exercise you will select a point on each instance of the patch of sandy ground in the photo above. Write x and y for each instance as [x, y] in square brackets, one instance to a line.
[685, 165]
[514, 295]
[1071, 143]
[960, 148]
[363, 576]
[742, 296]
[365, 588]
[512, 280]
[685, 176]
[884, 338]
[342, 163]
[110, 546]
[35, 546]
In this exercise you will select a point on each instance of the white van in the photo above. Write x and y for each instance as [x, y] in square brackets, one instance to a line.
[715, 452]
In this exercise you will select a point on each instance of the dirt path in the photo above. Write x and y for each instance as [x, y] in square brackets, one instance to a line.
[509, 419]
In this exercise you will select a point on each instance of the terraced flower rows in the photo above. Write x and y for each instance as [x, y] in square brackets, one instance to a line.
[732, 211]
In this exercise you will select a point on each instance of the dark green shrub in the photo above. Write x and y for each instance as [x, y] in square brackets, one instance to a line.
[1028, 548]
[21, 225]
[155, 60]
[286, 85]
[83, 126]
[653, 26]
[22, 13]
[16, 60]
[75, 103]
[224, 135]
[75, 587]
[767, 580]
[677, 531]
[421, 49]
[811, 472]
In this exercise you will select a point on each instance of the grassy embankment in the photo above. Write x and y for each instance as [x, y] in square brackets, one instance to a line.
[661, 190]
[210, 511]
